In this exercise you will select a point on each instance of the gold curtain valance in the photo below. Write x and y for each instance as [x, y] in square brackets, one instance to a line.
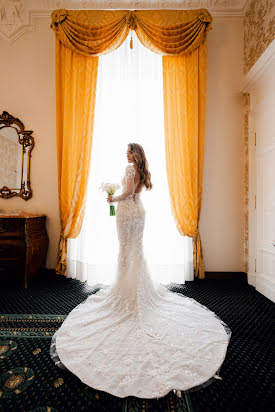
[97, 32]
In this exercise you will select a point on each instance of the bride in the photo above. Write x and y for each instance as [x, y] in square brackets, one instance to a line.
[136, 337]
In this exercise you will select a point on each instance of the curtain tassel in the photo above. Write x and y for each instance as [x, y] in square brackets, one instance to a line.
[131, 41]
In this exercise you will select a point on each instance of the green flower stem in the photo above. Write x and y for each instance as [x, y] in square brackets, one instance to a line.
[112, 210]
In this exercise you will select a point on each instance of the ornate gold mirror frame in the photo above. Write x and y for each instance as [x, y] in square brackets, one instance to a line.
[27, 142]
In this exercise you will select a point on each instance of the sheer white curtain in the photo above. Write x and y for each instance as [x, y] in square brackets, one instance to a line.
[129, 109]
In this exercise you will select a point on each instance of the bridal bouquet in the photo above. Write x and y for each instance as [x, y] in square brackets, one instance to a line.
[110, 189]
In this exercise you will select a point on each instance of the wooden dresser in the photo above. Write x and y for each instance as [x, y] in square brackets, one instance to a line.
[23, 246]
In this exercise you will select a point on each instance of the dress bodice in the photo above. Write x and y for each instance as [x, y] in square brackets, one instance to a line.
[135, 196]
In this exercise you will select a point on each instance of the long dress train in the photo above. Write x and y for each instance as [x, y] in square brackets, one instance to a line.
[136, 337]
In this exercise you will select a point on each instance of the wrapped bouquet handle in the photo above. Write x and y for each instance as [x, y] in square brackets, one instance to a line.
[112, 210]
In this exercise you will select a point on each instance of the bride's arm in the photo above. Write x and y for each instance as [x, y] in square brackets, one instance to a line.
[130, 185]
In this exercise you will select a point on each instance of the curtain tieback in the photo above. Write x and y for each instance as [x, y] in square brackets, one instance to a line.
[62, 255]
[205, 17]
[196, 236]
[58, 16]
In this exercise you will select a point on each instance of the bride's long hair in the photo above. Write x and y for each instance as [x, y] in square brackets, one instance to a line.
[141, 161]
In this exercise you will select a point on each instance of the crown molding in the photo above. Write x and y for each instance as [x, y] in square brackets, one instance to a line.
[267, 58]
[18, 16]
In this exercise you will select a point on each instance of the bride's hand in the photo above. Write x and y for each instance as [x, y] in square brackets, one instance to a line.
[109, 199]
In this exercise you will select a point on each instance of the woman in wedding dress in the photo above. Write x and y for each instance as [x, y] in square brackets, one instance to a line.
[137, 338]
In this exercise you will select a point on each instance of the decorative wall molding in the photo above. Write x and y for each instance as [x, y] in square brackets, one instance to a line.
[215, 6]
[18, 16]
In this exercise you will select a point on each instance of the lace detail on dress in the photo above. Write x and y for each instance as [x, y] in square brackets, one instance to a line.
[136, 337]
[128, 185]
[130, 171]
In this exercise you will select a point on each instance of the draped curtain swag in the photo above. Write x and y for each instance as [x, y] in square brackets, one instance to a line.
[180, 37]
[98, 32]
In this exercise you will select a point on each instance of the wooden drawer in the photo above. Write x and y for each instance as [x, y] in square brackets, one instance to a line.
[12, 228]
[35, 229]
[23, 246]
[12, 249]
[10, 268]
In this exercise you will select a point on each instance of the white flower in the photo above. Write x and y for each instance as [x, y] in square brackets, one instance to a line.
[110, 188]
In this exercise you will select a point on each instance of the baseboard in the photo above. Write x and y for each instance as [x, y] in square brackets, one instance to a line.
[265, 284]
[251, 278]
[47, 272]
[238, 276]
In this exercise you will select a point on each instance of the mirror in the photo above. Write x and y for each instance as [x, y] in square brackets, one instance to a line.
[16, 145]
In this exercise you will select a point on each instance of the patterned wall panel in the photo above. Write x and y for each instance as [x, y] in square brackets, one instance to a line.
[259, 30]
[246, 102]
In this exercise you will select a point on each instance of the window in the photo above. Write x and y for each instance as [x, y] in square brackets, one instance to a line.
[129, 108]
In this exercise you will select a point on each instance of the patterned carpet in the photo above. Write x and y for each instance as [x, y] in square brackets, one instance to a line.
[38, 385]
[29, 325]
[29, 381]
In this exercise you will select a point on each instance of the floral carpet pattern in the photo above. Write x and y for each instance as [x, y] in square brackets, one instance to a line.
[29, 380]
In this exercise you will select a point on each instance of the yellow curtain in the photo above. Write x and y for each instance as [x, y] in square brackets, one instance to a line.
[178, 35]
[76, 77]
[184, 85]
[90, 32]
[97, 32]
[171, 32]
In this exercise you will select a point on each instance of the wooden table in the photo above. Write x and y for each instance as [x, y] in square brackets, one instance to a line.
[23, 246]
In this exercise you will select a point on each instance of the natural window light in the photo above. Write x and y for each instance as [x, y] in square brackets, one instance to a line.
[129, 108]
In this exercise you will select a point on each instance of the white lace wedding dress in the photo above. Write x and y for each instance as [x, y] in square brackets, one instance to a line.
[136, 337]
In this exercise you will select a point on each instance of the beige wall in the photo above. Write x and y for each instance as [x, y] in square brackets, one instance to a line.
[28, 92]
[27, 74]
[222, 206]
